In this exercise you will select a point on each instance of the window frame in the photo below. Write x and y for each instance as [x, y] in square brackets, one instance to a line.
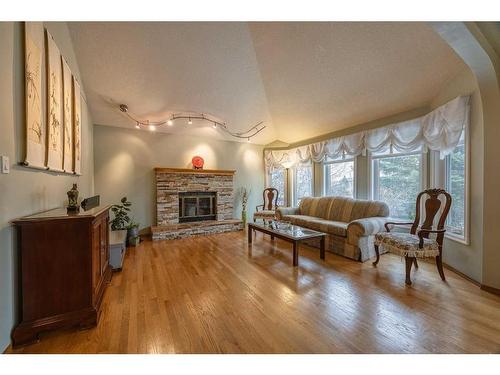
[285, 185]
[294, 182]
[439, 178]
[338, 161]
[371, 171]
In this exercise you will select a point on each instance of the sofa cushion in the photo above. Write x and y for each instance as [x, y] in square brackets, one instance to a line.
[341, 209]
[336, 228]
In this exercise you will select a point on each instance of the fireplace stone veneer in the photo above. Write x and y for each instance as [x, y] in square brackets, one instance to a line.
[172, 181]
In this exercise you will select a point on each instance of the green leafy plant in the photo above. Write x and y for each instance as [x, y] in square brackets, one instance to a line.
[121, 219]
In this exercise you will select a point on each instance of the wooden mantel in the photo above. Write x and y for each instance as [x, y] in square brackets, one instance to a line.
[221, 172]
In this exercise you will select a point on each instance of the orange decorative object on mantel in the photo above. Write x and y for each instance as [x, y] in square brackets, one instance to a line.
[197, 162]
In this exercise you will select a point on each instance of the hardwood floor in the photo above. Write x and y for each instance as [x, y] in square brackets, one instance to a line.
[216, 295]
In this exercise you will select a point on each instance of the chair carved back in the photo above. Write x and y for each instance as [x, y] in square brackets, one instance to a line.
[432, 208]
[270, 196]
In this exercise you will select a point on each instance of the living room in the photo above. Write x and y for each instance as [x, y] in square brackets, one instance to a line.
[249, 186]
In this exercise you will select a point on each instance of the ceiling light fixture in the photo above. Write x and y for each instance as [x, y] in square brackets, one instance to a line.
[137, 126]
[190, 116]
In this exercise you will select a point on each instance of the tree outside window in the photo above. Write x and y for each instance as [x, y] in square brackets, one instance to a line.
[455, 185]
[277, 180]
[339, 178]
[397, 180]
[302, 182]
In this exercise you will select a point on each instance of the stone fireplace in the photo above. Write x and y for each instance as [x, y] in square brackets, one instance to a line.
[193, 202]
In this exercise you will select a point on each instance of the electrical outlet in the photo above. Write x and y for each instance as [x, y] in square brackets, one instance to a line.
[5, 164]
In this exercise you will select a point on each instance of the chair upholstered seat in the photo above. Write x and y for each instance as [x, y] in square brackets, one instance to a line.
[406, 244]
[268, 214]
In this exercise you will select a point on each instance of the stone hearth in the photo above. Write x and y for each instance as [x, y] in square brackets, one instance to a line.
[172, 181]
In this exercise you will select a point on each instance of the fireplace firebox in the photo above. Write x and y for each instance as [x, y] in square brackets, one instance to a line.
[197, 206]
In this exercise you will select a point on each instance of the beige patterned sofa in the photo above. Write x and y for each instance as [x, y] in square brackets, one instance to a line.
[350, 223]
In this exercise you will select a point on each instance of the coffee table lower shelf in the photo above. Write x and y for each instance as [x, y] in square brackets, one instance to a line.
[286, 237]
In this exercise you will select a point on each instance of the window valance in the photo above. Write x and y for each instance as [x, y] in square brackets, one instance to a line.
[439, 130]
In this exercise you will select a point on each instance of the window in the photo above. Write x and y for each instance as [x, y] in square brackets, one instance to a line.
[397, 179]
[455, 184]
[302, 182]
[339, 177]
[277, 180]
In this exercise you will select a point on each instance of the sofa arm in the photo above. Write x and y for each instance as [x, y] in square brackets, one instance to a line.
[364, 227]
[368, 225]
[284, 211]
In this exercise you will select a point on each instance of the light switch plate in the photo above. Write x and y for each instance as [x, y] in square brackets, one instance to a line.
[5, 164]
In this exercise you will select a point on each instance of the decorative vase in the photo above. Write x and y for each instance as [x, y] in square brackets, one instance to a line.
[73, 199]
[244, 218]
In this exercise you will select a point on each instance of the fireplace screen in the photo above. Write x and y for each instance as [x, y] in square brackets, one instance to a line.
[196, 206]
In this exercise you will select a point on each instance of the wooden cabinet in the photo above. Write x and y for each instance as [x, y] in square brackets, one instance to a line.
[63, 270]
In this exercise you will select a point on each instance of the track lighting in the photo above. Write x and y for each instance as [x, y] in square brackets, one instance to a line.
[251, 132]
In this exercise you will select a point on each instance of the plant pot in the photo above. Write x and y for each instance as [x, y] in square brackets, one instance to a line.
[132, 234]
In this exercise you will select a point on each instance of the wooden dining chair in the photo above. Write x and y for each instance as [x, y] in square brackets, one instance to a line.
[417, 243]
[267, 211]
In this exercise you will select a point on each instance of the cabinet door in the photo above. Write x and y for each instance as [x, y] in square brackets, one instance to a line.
[104, 245]
[96, 255]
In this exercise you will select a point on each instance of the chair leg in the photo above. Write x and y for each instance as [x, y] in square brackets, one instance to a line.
[409, 262]
[416, 264]
[439, 264]
[378, 256]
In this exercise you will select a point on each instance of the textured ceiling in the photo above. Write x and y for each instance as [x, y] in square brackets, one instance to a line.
[301, 79]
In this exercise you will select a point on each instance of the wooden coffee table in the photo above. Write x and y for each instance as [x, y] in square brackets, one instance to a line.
[294, 234]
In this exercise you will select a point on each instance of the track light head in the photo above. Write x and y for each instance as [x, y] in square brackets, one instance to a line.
[152, 128]
[124, 108]
[190, 122]
[170, 122]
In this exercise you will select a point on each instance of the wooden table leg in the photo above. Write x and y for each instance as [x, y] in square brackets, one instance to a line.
[322, 248]
[250, 232]
[295, 253]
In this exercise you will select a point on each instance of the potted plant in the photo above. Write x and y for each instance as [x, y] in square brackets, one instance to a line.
[244, 200]
[121, 220]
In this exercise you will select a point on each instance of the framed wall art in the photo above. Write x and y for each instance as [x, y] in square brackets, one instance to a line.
[67, 117]
[35, 152]
[55, 130]
[77, 128]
